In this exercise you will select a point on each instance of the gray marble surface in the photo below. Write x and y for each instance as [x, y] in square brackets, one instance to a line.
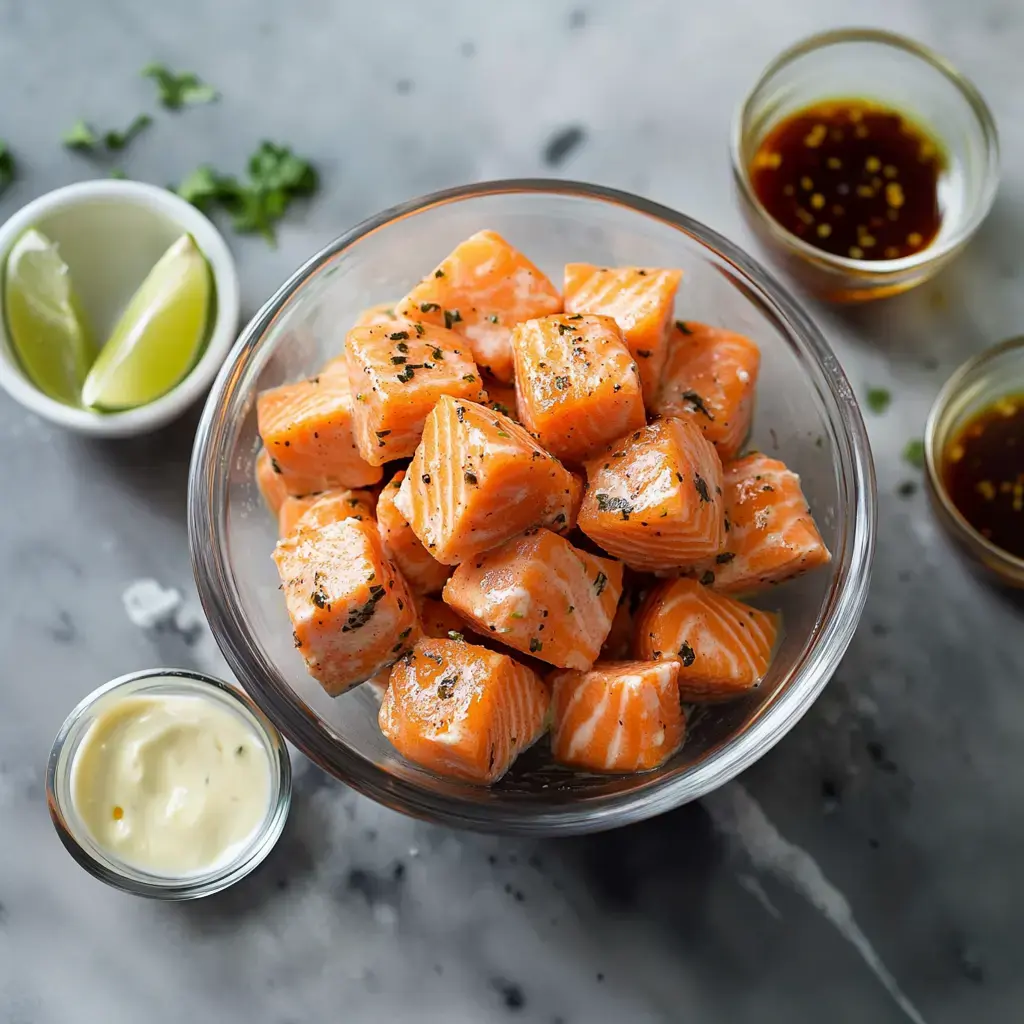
[867, 870]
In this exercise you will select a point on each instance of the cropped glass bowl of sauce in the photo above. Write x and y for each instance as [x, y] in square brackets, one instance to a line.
[865, 161]
[974, 458]
[168, 784]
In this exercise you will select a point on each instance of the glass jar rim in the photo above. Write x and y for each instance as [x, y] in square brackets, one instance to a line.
[129, 879]
[870, 268]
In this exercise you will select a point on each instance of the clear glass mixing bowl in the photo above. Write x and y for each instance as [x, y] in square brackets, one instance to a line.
[807, 414]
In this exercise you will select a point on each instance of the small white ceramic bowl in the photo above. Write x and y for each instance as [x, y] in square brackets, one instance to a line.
[111, 233]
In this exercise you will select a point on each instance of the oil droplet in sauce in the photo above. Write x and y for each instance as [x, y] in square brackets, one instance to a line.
[983, 470]
[852, 178]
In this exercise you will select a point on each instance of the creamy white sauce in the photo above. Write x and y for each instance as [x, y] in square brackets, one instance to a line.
[171, 784]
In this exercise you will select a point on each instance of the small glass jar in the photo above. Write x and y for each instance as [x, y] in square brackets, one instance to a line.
[978, 384]
[890, 70]
[100, 862]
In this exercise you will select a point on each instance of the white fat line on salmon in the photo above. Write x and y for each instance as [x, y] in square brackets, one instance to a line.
[739, 817]
[150, 605]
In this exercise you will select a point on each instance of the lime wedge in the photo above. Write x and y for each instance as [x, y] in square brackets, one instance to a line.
[160, 333]
[47, 332]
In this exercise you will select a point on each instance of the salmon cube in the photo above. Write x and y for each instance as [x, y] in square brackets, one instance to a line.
[501, 397]
[437, 620]
[724, 647]
[709, 377]
[463, 711]
[352, 612]
[617, 717]
[397, 372]
[478, 479]
[654, 499]
[320, 509]
[618, 645]
[422, 572]
[481, 291]
[770, 535]
[269, 482]
[640, 299]
[307, 430]
[577, 385]
[373, 315]
[540, 595]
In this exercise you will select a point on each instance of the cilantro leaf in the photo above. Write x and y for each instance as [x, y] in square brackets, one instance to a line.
[116, 141]
[913, 452]
[80, 136]
[8, 171]
[205, 186]
[878, 399]
[177, 89]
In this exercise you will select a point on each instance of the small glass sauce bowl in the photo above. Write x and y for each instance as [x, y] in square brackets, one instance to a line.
[978, 384]
[98, 861]
[892, 71]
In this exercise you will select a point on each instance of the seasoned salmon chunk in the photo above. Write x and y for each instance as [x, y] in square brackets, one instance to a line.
[640, 299]
[462, 710]
[320, 509]
[424, 573]
[437, 620]
[481, 291]
[307, 431]
[724, 647]
[618, 716]
[269, 482]
[654, 498]
[397, 372]
[577, 386]
[477, 479]
[709, 377]
[352, 612]
[771, 535]
[540, 595]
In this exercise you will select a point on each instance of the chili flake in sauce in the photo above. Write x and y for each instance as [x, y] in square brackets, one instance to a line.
[852, 178]
[983, 470]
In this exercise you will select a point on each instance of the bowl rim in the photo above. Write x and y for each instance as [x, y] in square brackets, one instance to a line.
[207, 507]
[222, 332]
[932, 254]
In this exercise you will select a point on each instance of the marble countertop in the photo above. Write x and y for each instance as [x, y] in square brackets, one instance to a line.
[866, 870]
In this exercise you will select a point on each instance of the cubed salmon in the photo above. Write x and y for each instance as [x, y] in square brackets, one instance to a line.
[320, 509]
[437, 620]
[481, 291]
[654, 498]
[352, 612]
[269, 482]
[397, 372]
[770, 534]
[477, 479]
[501, 397]
[540, 595]
[618, 645]
[710, 376]
[424, 573]
[463, 711]
[617, 717]
[307, 430]
[641, 300]
[577, 386]
[724, 647]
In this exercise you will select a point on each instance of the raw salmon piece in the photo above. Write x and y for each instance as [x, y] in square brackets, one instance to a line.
[351, 610]
[307, 430]
[709, 376]
[618, 717]
[654, 499]
[424, 573]
[770, 533]
[540, 595]
[618, 645]
[641, 301]
[397, 372]
[320, 509]
[463, 711]
[724, 647]
[482, 290]
[577, 386]
[379, 314]
[269, 482]
[478, 479]
[437, 620]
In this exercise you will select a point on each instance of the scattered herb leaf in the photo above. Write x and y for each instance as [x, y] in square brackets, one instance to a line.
[913, 453]
[682, 327]
[80, 136]
[702, 487]
[878, 399]
[686, 652]
[446, 688]
[177, 89]
[698, 404]
[600, 583]
[8, 170]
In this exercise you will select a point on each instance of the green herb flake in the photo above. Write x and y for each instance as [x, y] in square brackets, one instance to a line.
[453, 635]
[515, 615]
[80, 136]
[682, 327]
[686, 652]
[359, 617]
[429, 307]
[707, 578]
[913, 453]
[406, 375]
[178, 89]
[600, 583]
[399, 336]
[439, 272]
[319, 595]
[470, 477]
[115, 141]
[446, 688]
[878, 400]
[451, 317]
[561, 383]
[698, 404]
[608, 503]
[702, 487]
[398, 360]
[469, 378]
[8, 169]
[535, 645]
[493, 318]
[725, 557]
[436, 353]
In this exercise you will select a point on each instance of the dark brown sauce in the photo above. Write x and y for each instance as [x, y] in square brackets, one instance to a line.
[983, 470]
[852, 178]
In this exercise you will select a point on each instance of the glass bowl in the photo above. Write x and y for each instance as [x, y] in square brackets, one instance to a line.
[107, 867]
[869, 64]
[978, 384]
[807, 414]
